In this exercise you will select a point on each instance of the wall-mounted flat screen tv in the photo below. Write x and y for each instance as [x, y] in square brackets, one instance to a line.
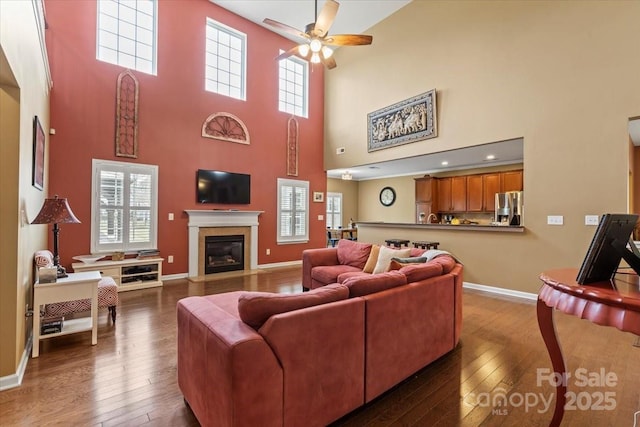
[608, 247]
[226, 188]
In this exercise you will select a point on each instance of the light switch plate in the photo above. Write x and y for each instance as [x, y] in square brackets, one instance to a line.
[320, 217]
[555, 220]
[591, 219]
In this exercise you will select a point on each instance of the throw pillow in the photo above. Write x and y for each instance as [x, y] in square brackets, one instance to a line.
[372, 260]
[255, 308]
[417, 272]
[385, 255]
[398, 263]
[353, 253]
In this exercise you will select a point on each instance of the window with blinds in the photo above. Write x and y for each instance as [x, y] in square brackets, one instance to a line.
[334, 210]
[124, 206]
[293, 211]
[127, 33]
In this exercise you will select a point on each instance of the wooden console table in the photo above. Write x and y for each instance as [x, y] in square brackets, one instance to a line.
[611, 303]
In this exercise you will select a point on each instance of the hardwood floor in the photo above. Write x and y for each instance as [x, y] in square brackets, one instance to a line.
[129, 377]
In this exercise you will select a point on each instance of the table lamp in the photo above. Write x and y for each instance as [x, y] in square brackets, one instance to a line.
[56, 211]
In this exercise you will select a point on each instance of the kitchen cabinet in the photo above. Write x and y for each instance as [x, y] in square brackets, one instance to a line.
[426, 197]
[490, 186]
[452, 194]
[475, 195]
[481, 190]
[511, 181]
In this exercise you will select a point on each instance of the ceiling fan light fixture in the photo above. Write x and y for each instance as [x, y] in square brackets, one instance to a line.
[315, 58]
[315, 45]
[303, 49]
[327, 52]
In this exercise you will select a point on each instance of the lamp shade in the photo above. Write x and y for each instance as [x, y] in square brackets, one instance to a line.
[55, 211]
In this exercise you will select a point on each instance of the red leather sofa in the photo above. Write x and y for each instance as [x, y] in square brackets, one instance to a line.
[254, 358]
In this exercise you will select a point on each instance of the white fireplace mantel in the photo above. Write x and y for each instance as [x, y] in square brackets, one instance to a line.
[221, 218]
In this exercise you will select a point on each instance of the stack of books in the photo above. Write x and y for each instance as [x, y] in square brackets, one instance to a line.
[148, 253]
[51, 325]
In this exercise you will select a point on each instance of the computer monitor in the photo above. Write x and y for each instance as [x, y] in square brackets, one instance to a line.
[608, 247]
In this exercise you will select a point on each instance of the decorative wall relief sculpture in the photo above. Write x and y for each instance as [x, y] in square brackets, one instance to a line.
[127, 115]
[411, 120]
[292, 147]
[226, 127]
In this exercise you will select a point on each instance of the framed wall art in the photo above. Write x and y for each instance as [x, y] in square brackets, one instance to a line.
[407, 121]
[37, 179]
[318, 196]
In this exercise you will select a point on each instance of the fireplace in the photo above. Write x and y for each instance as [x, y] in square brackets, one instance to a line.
[223, 253]
[212, 222]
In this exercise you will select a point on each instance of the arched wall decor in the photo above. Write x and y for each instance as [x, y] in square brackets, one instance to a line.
[127, 115]
[226, 127]
[292, 147]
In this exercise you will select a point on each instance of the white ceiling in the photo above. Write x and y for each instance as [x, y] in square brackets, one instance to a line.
[356, 17]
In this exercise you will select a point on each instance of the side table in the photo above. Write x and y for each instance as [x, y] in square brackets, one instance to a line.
[76, 286]
[611, 303]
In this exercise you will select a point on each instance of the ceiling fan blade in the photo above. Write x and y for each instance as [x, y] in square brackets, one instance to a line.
[326, 17]
[285, 28]
[348, 40]
[293, 51]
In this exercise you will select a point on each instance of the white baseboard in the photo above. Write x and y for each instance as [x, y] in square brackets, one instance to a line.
[501, 291]
[175, 276]
[280, 264]
[14, 380]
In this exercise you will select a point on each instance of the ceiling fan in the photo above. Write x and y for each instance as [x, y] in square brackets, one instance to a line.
[316, 48]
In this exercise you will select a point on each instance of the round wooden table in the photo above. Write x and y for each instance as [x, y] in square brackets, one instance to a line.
[612, 303]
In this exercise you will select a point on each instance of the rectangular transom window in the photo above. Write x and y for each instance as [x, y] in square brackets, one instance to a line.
[127, 33]
[124, 206]
[293, 86]
[293, 211]
[225, 64]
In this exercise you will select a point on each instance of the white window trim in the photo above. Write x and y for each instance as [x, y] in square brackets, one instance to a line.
[339, 196]
[96, 166]
[245, 41]
[293, 239]
[305, 64]
[154, 58]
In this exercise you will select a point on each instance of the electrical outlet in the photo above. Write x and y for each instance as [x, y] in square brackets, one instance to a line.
[591, 220]
[555, 220]
[171, 216]
[340, 150]
[170, 259]
[268, 251]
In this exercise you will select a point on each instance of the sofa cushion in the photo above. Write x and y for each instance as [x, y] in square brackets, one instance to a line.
[417, 272]
[372, 283]
[372, 260]
[353, 253]
[255, 308]
[349, 274]
[385, 255]
[447, 261]
[416, 252]
[329, 273]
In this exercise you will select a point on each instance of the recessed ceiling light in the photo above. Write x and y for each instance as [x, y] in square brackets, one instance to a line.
[445, 163]
[491, 157]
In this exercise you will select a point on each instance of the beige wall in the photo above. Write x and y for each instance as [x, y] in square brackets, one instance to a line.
[561, 75]
[24, 93]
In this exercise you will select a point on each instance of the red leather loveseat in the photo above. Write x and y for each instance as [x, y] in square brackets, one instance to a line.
[254, 358]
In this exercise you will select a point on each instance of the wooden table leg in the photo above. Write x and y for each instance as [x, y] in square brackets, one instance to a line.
[550, 337]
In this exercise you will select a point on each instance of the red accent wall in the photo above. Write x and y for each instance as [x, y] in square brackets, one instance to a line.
[172, 108]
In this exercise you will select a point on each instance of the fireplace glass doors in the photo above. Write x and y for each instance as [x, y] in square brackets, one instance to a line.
[223, 253]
